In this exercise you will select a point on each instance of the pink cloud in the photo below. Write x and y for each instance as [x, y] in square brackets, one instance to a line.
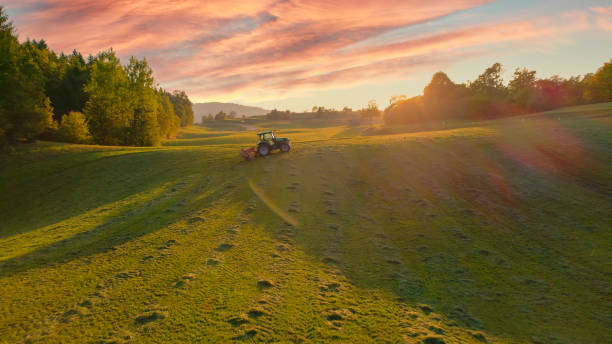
[216, 49]
[328, 68]
[603, 17]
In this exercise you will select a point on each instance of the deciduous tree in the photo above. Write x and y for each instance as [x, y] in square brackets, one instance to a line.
[25, 110]
[74, 128]
[370, 111]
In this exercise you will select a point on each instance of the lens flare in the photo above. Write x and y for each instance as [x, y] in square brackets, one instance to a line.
[268, 202]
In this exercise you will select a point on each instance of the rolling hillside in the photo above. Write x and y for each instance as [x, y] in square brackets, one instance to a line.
[489, 232]
[203, 109]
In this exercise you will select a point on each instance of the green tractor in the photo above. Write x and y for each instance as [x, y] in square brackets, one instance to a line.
[269, 142]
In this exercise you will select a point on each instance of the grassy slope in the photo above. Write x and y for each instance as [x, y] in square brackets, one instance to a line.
[499, 231]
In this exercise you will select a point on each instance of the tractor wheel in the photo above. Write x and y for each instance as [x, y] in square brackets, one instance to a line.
[263, 149]
[285, 147]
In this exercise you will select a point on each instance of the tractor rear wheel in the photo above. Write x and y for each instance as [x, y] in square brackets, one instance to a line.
[263, 149]
[285, 147]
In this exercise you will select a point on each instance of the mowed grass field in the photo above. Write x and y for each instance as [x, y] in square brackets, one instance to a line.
[488, 232]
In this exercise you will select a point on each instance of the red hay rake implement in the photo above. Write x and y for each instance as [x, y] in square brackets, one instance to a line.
[248, 153]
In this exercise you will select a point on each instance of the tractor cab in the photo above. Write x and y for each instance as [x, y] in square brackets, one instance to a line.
[266, 136]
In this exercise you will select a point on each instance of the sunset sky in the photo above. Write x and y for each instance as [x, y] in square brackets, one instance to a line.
[294, 54]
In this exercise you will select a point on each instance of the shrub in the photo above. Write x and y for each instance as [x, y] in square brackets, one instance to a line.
[74, 128]
[221, 116]
[403, 111]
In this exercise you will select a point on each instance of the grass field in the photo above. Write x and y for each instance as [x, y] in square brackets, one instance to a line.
[497, 232]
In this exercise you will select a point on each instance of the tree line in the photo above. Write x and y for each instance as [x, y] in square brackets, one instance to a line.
[489, 97]
[220, 116]
[317, 112]
[67, 98]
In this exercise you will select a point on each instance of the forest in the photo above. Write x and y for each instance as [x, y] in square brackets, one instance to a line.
[489, 97]
[72, 99]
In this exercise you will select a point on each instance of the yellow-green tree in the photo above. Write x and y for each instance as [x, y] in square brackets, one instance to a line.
[522, 89]
[599, 85]
[74, 128]
[109, 109]
[169, 123]
[183, 107]
[144, 126]
[25, 111]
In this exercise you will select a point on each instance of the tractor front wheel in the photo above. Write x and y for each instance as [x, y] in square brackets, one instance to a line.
[263, 149]
[285, 147]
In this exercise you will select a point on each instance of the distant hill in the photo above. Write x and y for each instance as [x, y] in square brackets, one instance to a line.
[203, 109]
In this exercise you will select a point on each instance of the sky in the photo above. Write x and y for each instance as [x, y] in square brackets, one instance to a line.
[296, 54]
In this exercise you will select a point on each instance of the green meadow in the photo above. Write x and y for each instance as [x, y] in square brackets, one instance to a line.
[466, 232]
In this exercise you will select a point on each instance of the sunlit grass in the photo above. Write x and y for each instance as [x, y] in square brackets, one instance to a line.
[496, 231]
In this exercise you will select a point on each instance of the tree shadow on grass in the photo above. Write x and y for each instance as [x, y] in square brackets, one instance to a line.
[82, 183]
[156, 214]
[168, 179]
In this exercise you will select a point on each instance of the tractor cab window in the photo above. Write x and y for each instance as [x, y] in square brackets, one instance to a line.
[268, 136]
